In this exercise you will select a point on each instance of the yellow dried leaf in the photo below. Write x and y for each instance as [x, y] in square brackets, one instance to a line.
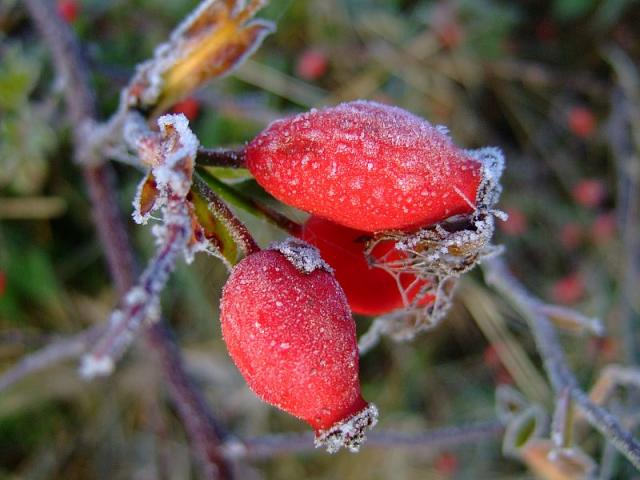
[211, 42]
[569, 464]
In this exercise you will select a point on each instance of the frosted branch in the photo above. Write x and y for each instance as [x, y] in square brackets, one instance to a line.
[555, 364]
[56, 352]
[440, 438]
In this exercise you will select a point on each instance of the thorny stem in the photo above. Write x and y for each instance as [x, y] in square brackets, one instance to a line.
[219, 157]
[199, 423]
[220, 208]
[555, 364]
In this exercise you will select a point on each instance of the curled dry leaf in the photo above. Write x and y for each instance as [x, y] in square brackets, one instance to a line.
[212, 41]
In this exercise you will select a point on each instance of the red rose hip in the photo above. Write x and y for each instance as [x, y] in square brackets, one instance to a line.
[367, 166]
[369, 289]
[289, 330]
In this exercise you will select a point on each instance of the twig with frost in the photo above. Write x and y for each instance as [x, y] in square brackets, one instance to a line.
[561, 377]
[440, 438]
[55, 352]
[204, 434]
[171, 155]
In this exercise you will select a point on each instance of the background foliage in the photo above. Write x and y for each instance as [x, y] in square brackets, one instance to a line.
[543, 80]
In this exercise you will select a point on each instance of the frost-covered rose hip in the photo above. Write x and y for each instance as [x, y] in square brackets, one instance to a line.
[289, 330]
[370, 290]
[367, 166]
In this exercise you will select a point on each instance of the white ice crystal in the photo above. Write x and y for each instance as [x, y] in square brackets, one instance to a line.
[306, 258]
[350, 433]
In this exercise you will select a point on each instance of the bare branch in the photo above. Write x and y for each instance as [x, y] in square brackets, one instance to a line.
[287, 443]
[54, 353]
[561, 377]
[111, 229]
[220, 157]
[572, 320]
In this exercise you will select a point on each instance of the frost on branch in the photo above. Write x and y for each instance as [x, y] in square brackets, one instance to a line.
[437, 256]
[171, 155]
[212, 41]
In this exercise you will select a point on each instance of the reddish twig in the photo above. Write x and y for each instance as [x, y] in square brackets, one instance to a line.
[220, 157]
[79, 98]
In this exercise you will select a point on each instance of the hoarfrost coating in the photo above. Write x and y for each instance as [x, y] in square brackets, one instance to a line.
[367, 166]
[292, 337]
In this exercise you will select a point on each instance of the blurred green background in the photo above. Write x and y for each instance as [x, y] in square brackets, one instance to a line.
[556, 84]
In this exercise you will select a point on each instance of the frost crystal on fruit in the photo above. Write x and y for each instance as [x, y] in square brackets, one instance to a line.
[367, 166]
[439, 254]
[289, 330]
[306, 258]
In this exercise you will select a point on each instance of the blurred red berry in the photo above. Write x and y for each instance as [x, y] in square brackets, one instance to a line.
[68, 10]
[582, 121]
[590, 192]
[568, 290]
[491, 358]
[571, 235]
[450, 35]
[3, 283]
[604, 228]
[503, 377]
[190, 107]
[444, 22]
[312, 64]
[370, 290]
[546, 30]
[516, 224]
[368, 166]
[446, 464]
[606, 348]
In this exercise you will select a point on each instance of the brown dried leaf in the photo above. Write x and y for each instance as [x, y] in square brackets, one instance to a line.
[146, 198]
[212, 41]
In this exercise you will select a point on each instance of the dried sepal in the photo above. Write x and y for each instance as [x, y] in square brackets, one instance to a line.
[439, 254]
[350, 433]
[210, 234]
[146, 200]
[212, 41]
